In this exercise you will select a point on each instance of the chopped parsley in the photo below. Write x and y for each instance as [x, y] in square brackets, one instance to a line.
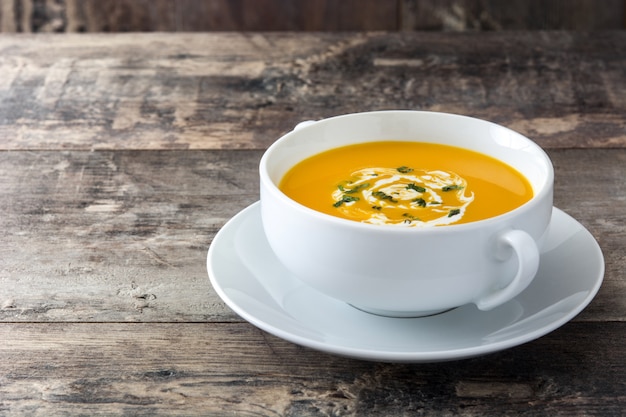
[420, 202]
[416, 188]
[383, 196]
[454, 212]
[410, 218]
[345, 199]
[353, 190]
[452, 187]
[404, 170]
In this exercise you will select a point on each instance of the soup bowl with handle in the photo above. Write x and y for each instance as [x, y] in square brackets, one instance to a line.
[408, 272]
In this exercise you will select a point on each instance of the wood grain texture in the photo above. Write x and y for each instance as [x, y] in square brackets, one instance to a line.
[307, 15]
[199, 15]
[116, 235]
[122, 236]
[122, 156]
[228, 369]
[245, 90]
[463, 15]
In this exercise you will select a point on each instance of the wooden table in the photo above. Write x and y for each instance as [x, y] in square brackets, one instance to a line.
[123, 155]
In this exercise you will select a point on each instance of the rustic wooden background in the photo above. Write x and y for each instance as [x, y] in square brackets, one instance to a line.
[309, 15]
[122, 155]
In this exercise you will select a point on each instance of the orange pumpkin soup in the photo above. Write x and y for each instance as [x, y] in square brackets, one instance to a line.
[414, 184]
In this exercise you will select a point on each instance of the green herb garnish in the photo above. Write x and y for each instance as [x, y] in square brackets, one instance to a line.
[416, 188]
[377, 208]
[452, 187]
[353, 190]
[404, 170]
[346, 199]
[383, 196]
[420, 202]
[410, 218]
[454, 212]
[434, 203]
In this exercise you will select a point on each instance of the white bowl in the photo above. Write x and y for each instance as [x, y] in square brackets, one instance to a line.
[406, 272]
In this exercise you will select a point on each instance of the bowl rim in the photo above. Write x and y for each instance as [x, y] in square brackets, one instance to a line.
[269, 185]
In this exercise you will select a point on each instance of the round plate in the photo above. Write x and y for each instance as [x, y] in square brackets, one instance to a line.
[251, 281]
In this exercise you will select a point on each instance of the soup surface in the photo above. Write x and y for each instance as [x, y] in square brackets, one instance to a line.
[413, 184]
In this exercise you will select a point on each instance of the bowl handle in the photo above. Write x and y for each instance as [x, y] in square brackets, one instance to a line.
[303, 124]
[527, 253]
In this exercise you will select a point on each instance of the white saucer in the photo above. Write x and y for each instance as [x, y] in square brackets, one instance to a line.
[248, 277]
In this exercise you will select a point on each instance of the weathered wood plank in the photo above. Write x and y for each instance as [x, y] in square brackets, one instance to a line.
[462, 15]
[210, 369]
[200, 91]
[195, 15]
[123, 235]
[579, 175]
[272, 15]
[116, 235]
[105, 305]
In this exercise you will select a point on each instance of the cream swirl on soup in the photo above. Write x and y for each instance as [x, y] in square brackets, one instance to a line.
[399, 183]
[403, 196]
